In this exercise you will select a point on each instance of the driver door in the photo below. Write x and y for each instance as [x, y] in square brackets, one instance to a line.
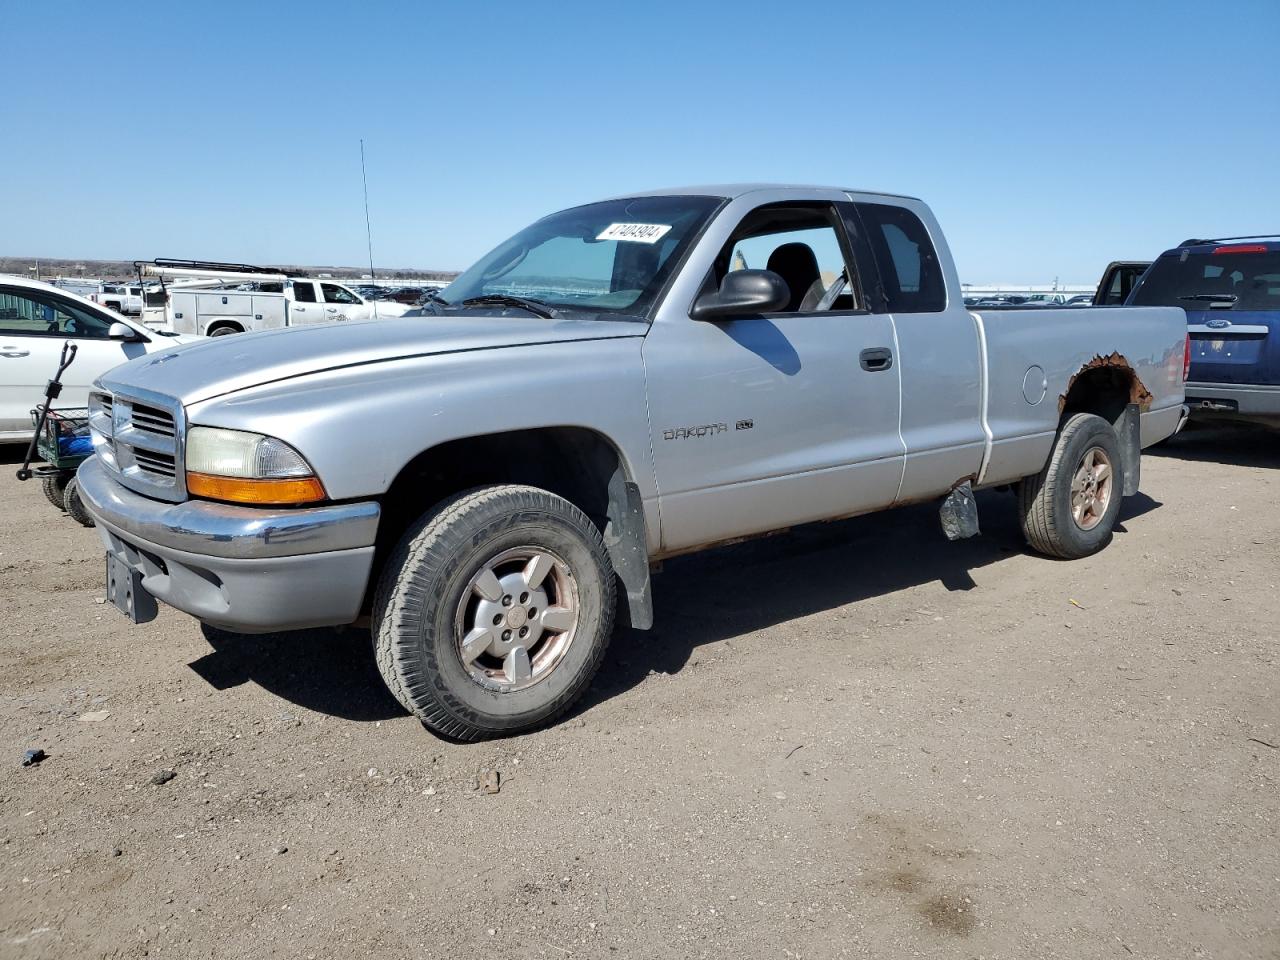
[761, 422]
[341, 304]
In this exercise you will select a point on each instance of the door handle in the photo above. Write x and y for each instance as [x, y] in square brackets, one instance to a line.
[13, 353]
[876, 359]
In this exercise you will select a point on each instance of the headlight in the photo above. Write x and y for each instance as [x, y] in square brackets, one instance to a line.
[243, 467]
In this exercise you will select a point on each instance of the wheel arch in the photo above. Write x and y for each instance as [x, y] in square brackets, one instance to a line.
[578, 463]
[216, 325]
[1109, 387]
[1104, 386]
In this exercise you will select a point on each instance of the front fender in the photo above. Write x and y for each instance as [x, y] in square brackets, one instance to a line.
[358, 426]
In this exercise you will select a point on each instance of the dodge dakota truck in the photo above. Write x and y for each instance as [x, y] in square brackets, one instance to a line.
[617, 383]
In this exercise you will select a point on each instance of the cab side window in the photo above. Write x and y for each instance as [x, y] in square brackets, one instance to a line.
[803, 245]
[304, 292]
[336, 294]
[36, 313]
[909, 272]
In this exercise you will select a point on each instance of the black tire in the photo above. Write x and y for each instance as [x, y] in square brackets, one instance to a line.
[225, 330]
[426, 582]
[54, 488]
[1044, 500]
[74, 506]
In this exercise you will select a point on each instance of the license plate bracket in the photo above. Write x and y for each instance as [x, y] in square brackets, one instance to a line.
[126, 592]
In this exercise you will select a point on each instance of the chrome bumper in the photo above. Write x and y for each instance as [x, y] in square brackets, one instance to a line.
[241, 568]
[222, 530]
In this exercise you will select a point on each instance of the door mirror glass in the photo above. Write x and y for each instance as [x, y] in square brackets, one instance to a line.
[743, 293]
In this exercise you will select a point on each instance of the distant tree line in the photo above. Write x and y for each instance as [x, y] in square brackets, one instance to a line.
[122, 269]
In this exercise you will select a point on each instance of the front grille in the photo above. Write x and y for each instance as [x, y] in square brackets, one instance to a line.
[155, 463]
[153, 420]
[138, 437]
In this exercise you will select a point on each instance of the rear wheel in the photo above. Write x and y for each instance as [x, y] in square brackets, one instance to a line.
[74, 506]
[1069, 508]
[54, 488]
[494, 612]
[224, 331]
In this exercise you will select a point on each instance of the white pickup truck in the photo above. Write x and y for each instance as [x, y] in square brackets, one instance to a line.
[241, 299]
[618, 383]
[123, 298]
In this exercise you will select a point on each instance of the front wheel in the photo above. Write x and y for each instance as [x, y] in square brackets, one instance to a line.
[1069, 508]
[494, 612]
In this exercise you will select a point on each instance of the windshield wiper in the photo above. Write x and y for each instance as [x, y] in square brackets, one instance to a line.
[536, 307]
[1212, 297]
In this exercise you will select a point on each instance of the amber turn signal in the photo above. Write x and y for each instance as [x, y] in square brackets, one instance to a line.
[267, 492]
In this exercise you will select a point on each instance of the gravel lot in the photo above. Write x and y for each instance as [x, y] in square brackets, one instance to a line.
[852, 740]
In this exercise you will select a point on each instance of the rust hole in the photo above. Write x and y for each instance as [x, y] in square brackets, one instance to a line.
[1138, 392]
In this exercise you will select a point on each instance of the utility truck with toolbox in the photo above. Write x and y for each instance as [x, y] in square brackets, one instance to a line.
[618, 383]
[240, 298]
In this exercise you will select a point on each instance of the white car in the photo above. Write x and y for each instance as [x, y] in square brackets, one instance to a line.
[36, 319]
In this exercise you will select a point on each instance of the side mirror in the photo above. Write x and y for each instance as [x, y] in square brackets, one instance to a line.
[742, 293]
[122, 331]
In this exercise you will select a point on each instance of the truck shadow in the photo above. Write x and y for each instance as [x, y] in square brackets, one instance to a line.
[329, 671]
[1239, 445]
[699, 599]
[731, 591]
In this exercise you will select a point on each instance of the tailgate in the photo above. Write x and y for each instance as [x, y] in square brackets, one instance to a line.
[1239, 348]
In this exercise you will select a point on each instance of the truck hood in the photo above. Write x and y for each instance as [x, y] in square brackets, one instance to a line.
[219, 365]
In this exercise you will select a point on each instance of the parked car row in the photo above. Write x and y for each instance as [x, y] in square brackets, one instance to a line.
[1030, 300]
[407, 295]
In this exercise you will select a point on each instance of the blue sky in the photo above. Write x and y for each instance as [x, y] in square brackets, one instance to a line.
[1049, 138]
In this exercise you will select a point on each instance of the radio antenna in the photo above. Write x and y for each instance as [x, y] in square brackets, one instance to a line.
[369, 232]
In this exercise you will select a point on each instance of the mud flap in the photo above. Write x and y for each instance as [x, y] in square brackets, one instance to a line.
[1129, 432]
[624, 539]
[959, 513]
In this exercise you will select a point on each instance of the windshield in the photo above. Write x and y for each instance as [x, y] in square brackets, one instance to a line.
[613, 256]
[1246, 281]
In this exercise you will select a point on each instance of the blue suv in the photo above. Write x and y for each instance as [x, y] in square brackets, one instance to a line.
[1230, 289]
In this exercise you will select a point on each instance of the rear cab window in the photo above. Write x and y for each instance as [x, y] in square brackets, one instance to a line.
[304, 292]
[911, 278]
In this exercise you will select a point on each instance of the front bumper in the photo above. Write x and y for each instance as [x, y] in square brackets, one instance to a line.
[244, 569]
[1234, 401]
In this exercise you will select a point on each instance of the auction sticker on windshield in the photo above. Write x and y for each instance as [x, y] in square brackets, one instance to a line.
[635, 232]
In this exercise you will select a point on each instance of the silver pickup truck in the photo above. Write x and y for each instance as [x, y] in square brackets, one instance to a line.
[615, 384]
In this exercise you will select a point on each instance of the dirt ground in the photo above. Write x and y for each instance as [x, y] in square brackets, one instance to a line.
[854, 740]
